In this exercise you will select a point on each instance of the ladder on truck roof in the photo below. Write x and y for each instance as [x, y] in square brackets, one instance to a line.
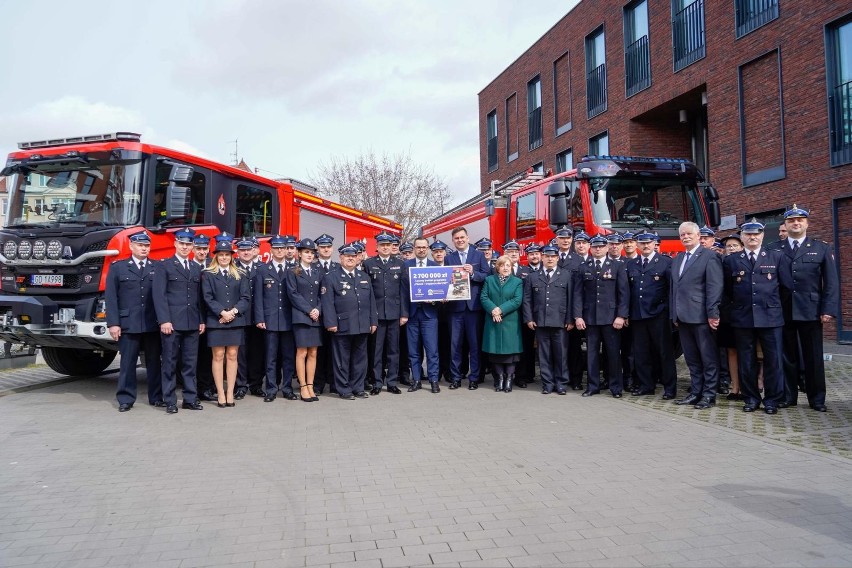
[500, 189]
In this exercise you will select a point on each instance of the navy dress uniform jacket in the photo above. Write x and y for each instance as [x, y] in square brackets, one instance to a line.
[387, 282]
[223, 293]
[754, 292]
[304, 294]
[177, 294]
[600, 297]
[548, 303]
[129, 298]
[270, 302]
[347, 303]
[812, 287]
[649, 287]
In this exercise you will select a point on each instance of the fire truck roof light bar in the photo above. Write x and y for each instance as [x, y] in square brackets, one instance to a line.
[113, 136]
[636, 159]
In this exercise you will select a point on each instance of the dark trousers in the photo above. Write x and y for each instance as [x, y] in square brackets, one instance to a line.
[553, 368]
[773, 377]
[386, 352]
[129, 345]
[204, 372]
[404, 372]
[653, 354]
[611, 340]
[464, 326]
[350, 362]
[251, 360]
[280, 351]
[702, 358]
[526, 368]
[808, 335]
[576, 358]
[423, 337]
[445, 352]
[324, 374]
[627, 355]
[179, 351]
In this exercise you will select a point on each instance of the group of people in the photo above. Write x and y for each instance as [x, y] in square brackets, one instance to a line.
[352, 325]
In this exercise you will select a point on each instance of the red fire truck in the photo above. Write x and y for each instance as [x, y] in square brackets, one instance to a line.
[73, 202]
[602, 194]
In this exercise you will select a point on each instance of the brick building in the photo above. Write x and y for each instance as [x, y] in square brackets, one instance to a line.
[758, 93]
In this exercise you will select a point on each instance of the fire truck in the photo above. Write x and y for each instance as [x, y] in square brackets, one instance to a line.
[602, 194]
[73, 202]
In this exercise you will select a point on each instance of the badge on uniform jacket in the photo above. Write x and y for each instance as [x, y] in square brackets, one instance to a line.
[656, 277]
[769, 276]
[607, 275]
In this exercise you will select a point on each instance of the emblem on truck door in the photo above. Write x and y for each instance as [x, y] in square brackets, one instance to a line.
[221, 204]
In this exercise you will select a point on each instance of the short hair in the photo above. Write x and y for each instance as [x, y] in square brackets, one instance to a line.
[689, 226]
[424, 239]
[503, 260]
[458, 230]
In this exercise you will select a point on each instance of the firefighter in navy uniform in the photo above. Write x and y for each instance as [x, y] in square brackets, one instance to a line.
[349, 314]
[753, 287]
[811, 299]
[324, 373]
[406, 252]
[204, 371]
[132, 321]
[572, 261]
[273, 314]
[251, 359]
[649, 275]
[385, 272]
[601, 307]
[439, 252]
[177, 301]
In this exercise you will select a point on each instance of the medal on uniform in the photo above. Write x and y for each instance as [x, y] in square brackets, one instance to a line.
[769, 276]
[269, 285]
[395, 276]
[343, 293]
[657, 277]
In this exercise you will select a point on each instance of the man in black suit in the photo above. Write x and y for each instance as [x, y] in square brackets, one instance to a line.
[697, 286]
[811, 299]
[422, 326]
[464, 314]
[752, 287]
[132, 321]
[601, 306]
[547, 313]
[177, 301]
[650, 276]
[438, 251]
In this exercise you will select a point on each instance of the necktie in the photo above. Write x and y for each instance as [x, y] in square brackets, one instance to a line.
[597, 266]
[463, 257]
[419, 264]
[644, 263]
[141, 265]
[751, 258]
[562, 256]
[280, 270]
[685, 261]
[186, 265]
[308, 272]
[385, 261]
[225, 273]
[549, 274]
[795, 247]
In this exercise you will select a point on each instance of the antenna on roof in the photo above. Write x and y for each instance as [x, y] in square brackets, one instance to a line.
[235, 155]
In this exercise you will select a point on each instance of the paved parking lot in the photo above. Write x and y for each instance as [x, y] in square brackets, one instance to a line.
[456, 479]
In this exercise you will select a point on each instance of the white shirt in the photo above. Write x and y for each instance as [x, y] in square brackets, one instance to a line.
[793, 241]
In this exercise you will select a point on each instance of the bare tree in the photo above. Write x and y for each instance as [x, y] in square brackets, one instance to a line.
[387, 185]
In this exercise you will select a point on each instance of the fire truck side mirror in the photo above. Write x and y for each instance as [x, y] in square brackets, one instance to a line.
[710, 193]
[714, 215]
[177, 201]
[558, 206]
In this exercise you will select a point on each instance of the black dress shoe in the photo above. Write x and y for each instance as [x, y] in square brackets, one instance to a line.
[749, 408]
[257, 392]
[289, 396]
[347, 396]
[688, 399]
[734, 396]
[783, 404]
[375, 391]
[158, 403]
[819, 407]
[616, 395]
[192, 405]
[668, 396]
[405, 382]
[230, 404]
[705, 403]
[454, 385]
[269, 398]
[724, 389]
[124, 407]
[562, 392]
[361, 394]
[414, 387]
[171, 409]
[590, 393]
[577, 387]
[208, 396]
[545, 391]
[221, 404]
[472, 386]
[395, 389]
[436, 388]
[239, 394]
[640, 392]
[770, 410]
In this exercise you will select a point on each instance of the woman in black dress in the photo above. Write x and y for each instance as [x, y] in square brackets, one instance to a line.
[227, 298]
[303, 289]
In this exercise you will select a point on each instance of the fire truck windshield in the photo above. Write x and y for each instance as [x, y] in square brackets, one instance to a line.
[87, 192]
[628, 203]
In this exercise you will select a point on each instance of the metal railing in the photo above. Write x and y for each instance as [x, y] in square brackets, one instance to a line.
[637, 66]
[840, 106]
[596, 91]
[492, 154]
[534, 119]
[688, 35]
[751, 14]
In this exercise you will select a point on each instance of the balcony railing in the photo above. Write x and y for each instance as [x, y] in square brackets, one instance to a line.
[688, 35]
[596, 91]
[637, 66]
[751, 14]
[534, 119]
[840, 104]
[492, 154]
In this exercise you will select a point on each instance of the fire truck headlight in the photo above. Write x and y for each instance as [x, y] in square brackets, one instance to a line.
[54, 249]
[25, 249]
[39, 248]
[10, 249]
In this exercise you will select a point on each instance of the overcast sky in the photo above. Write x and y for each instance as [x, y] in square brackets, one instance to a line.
[296, 82]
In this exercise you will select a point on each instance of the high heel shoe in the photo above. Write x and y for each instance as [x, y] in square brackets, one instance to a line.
[230, 404]
[303, 389]
[314, 397]
[220, 404]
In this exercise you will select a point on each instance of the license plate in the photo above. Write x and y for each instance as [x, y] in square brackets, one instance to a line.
[47, 279]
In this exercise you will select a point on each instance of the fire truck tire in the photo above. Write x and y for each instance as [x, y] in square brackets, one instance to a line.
[75, 362]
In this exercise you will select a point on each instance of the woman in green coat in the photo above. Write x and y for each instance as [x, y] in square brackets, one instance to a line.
[501, 298]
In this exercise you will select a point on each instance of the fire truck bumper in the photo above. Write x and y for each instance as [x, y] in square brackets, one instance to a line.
[45, 323]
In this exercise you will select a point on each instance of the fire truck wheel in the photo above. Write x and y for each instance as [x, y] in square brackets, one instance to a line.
[75, 362]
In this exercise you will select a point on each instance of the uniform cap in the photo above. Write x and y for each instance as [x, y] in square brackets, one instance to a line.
[224, 243]
[201, 241]
[142, 237]
[307, 244]
[564, 232]
[278, 241]
[359, 246]
[384, 237]
[406, 247]
[598, 241]
[511, 245]
[550, 250]
[347, 249]
[752, 227]
[395, 239]
[735, 236]
[706, 231]
[628, 236]
[324, 239]
[532, 247]
[614, 238]
[254, 242]
[244, 244]
[482, 244]
[185, 235]
[795, 211]
[718, 245]
[290, 240]
[582, 236]
[647, 238]
[438, 245]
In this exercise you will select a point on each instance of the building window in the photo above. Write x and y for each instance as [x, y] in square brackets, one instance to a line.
[599, 145]
[687, 32]
[562, 104]
[751, 14]
[637, 51]
[538, 168]
[512, 134]
[491, 127]
[595, 73]
[838, 49]
[534, 112]
[525, 217]
[564, 161]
